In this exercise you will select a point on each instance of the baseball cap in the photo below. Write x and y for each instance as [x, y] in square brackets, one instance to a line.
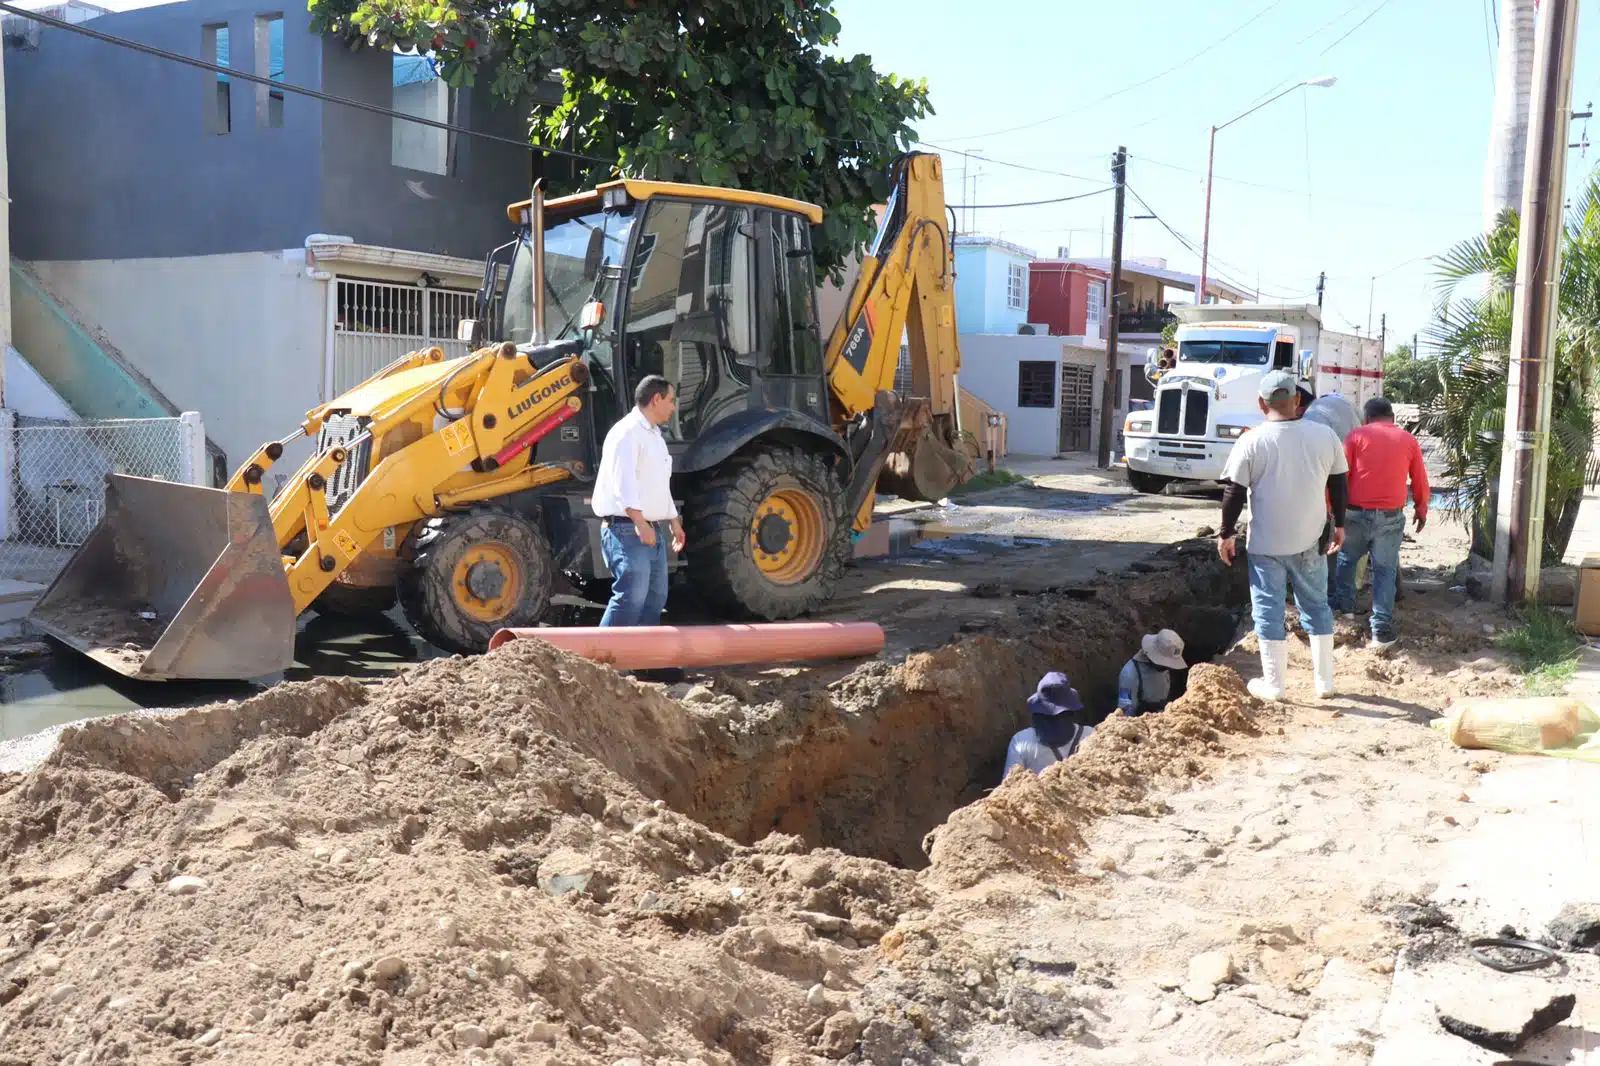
[1277, 385]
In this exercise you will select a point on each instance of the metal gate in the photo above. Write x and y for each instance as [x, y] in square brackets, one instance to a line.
[377, 322]
[1077, 406]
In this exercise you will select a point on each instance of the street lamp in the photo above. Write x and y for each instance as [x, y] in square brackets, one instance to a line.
[1205, 240]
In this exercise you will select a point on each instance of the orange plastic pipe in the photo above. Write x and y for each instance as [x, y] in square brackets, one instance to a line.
[650, 647]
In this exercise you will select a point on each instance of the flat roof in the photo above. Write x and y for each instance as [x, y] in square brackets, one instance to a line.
[645, 190]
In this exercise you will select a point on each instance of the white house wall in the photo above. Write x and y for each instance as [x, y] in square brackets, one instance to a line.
[239, 338]
[989, 371]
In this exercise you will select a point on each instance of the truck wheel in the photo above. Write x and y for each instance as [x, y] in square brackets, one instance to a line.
[354, 601]
[1149, 484]
[472, 574]
[767, 534]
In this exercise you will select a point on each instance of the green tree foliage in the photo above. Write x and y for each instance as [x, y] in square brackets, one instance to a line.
[1473, 338]
[1409, 378]
[719, 92]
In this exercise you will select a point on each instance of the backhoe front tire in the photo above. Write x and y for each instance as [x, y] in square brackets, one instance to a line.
[767, 536]
[472, 574]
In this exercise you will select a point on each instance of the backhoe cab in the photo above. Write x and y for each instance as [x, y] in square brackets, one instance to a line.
[461, 487]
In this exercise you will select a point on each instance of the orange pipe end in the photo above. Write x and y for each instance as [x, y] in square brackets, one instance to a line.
[653, 647]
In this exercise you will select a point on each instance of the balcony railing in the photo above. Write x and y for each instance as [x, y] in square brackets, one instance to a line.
[1144, 321]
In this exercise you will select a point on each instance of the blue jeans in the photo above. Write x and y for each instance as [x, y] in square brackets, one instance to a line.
[1375, 533]
[638, 574]
[1270, 577]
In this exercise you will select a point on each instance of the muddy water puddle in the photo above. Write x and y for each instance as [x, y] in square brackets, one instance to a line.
[57, 686]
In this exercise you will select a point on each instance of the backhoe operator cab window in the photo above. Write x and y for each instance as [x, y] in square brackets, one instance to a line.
[721, 298]
[691, 312]
[583, 257]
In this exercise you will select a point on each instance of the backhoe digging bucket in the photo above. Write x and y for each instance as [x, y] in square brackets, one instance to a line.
[176, 581]
[923, 467]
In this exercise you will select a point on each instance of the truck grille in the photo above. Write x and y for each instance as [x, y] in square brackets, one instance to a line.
[1167, 411]
[1196, 407]
[1188, 408]
[351, 433]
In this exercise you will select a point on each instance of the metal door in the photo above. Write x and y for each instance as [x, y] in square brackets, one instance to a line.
[378, 322]
[1077, 407]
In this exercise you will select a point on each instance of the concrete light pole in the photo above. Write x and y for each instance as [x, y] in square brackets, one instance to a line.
[1211, 158]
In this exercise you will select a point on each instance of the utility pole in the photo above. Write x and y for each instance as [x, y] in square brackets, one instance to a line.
[1383, 334]
[1322, 283]
[1525, 447]
[1108, 394]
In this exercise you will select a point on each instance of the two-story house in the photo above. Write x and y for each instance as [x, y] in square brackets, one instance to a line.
[1032, 344]
[229, 247]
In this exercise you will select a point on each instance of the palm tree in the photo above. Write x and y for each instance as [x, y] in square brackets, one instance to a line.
[1473, 337]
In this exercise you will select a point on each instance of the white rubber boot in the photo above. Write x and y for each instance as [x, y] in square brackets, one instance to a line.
[1274, 665]
[1322, 664]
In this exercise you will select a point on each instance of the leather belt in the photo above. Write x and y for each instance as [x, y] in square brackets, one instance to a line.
[1376, 510]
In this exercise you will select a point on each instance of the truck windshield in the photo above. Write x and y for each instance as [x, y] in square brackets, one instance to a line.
[1243, 353]
[566, 289]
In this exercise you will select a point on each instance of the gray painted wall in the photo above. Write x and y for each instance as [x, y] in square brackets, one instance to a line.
[110, 158]
[109, 155]
[366, 197]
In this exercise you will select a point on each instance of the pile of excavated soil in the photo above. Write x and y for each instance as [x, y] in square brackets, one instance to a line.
[523, 857]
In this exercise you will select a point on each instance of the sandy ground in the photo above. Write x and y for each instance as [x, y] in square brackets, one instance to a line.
[1303, 857]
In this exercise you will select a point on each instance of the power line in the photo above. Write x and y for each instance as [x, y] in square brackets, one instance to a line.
[1031, 203]
[1128, 88]
[1370, 204]
[1382, 4]
[289, 87]
[1190, 245]
[1491, 35]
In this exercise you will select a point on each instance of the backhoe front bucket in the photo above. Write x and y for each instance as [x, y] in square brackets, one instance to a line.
[176, 581]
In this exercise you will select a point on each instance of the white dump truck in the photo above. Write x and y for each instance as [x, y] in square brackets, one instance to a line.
[1206, 400]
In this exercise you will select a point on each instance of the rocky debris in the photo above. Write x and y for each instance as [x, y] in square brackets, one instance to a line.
[1211, 968]
[1501, 1018]
[1420, 916]
[186, 886]
[1576, 927]
[840, 1034]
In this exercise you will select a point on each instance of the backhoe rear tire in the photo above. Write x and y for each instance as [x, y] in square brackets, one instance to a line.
[767, 536]
[474, 573]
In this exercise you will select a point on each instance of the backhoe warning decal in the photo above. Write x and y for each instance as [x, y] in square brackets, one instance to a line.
[457, 436]
[346, 544]
[858, 346]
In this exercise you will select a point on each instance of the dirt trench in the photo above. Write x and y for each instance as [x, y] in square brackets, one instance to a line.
[869, 764]
[528, 853]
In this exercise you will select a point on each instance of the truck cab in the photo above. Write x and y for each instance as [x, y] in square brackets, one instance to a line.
[1207, 400]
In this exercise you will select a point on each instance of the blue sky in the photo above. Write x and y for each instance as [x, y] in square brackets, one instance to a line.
[1360, 179]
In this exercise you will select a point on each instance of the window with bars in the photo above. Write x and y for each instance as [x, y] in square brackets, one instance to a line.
[1017, 286]
[1094, 307]
[1036, 383]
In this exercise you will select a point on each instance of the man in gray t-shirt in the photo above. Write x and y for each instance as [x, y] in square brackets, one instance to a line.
[1293, 471]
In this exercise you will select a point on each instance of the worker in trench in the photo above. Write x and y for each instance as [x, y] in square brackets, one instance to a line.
[1058, 726]
[1293, 471]
[1145, 684]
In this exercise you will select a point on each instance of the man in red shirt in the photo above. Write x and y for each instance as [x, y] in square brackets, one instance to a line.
[1382, 457]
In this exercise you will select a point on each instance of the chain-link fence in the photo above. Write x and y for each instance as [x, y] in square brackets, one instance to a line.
[53, 493]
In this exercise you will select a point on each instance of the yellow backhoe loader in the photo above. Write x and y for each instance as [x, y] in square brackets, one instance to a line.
[460, 486]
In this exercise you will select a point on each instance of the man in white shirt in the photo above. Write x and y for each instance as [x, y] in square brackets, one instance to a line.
[633, 497]
[1294, 471]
